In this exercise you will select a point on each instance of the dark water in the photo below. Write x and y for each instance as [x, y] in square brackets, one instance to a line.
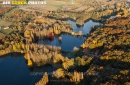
[13, 68]
[68, 41]
[14, 71]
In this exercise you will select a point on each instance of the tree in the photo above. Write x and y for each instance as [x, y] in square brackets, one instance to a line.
[44, 80]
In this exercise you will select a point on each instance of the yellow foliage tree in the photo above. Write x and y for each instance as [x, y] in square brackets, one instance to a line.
[94, 41]
[30, 63]
[92, 46]
[118, 15]
[14, 48]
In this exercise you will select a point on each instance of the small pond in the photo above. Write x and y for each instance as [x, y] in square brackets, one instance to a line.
[68, 41]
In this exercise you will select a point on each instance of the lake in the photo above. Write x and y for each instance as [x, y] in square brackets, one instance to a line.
[13, 67]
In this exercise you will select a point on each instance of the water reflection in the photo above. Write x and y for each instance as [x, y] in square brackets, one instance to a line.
[85, 28]
[14, 71]
[68, 41]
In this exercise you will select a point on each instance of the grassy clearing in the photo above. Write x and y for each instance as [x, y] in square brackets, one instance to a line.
[6, 31]
[8, 13]
[5, 23]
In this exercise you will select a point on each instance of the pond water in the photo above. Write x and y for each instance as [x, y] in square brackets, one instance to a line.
[14, 71]
[13, 68]
[68, 41]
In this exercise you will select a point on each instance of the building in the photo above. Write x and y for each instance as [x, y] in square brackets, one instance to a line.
[6, 28]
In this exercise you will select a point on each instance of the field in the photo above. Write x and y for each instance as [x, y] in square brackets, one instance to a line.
[6, 14]
[5, 23]
[51, 5]
[6, 31]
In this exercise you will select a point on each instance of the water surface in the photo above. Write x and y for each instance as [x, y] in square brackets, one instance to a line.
[68, 42]
[13, 68]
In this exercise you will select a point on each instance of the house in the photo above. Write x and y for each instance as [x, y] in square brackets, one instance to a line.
[6, 28]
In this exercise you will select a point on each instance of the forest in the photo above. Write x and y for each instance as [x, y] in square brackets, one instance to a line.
[102, 59]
